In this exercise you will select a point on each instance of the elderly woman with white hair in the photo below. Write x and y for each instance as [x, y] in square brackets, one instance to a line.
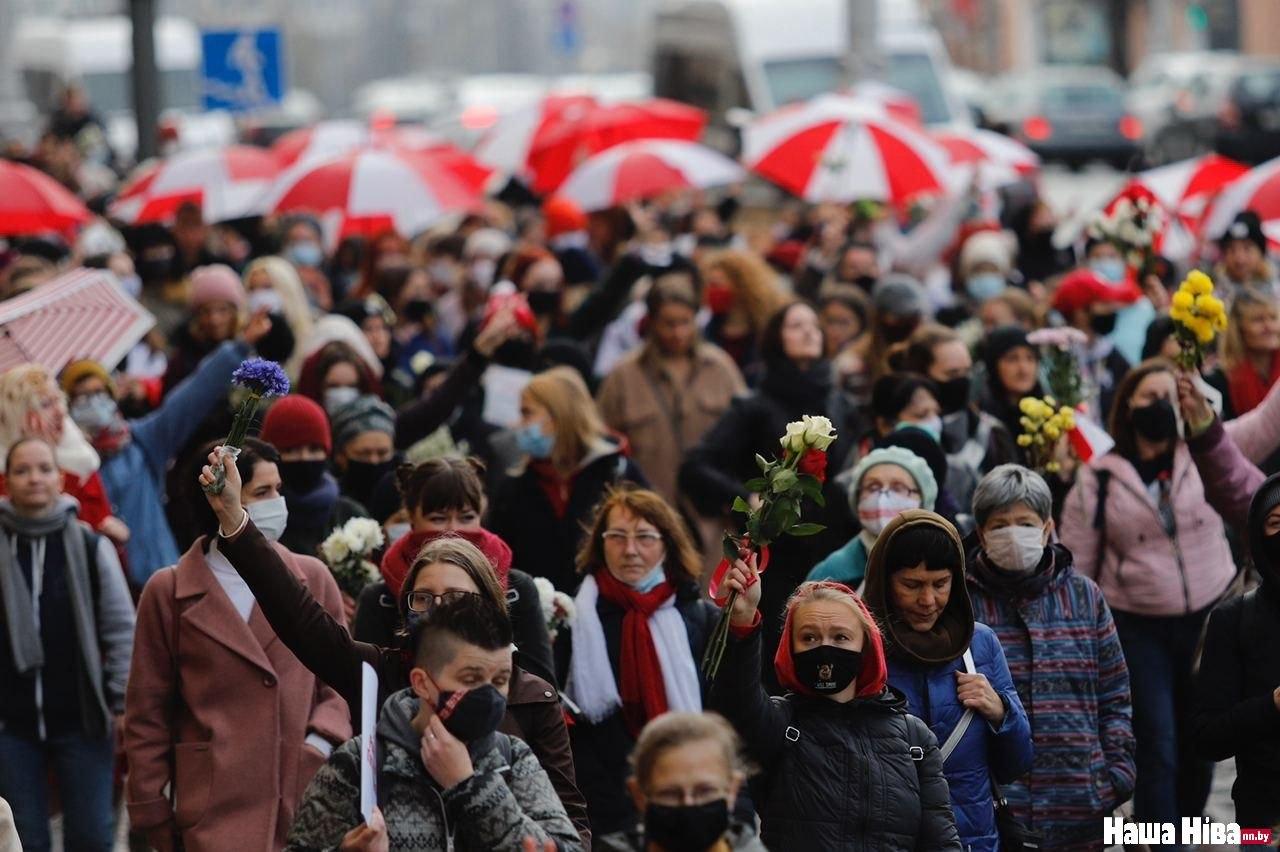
[1065, 657]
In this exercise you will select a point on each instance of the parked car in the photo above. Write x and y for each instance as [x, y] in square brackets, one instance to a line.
[1071, 114]
[1248, 125]
[1177, 96]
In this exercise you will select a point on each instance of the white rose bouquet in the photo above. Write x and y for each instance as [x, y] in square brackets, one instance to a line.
[557, 607]
[347, 552]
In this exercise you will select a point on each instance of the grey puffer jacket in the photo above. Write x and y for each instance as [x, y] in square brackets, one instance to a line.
[508, 798]
[865, 775]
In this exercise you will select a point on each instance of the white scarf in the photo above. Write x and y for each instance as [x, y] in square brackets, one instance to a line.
[592, 685]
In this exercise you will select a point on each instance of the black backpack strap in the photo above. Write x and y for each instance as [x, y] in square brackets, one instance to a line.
[1100, 517]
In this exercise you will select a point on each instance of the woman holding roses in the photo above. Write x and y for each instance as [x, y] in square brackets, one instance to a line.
[797, 381]
[844, 765]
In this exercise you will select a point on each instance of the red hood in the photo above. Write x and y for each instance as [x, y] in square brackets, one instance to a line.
[874, 674]
[400, 555]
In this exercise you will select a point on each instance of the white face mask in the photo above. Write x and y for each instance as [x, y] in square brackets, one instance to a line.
[335, 398]
[875, 511]
[270, 516]
[1016, 549]
[395, 532]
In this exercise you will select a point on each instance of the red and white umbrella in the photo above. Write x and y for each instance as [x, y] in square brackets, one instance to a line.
[31, 202]
[371, 190]
[544, 142]
[645, 168]
[227, 183]
[898, 103]
[1186, 188]
[999, 159]
[841, 149]
[321, 140]
[1257, 190]
[82, 314]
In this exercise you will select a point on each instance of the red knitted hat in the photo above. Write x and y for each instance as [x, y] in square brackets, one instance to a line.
[294, 422]
[875, 672]
[562, 215]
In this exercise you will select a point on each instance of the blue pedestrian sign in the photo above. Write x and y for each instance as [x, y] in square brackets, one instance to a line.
[243, 69]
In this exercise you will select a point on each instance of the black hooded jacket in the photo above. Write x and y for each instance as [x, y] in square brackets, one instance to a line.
[1236, 713]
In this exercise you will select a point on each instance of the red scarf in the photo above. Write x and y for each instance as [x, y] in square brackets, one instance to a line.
[874, 674]
[1247, 389]
[640, 686]
[399, 557]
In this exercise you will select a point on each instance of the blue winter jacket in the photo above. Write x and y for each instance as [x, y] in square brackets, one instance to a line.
[1005, 751]
[134, 476]
[847, 565]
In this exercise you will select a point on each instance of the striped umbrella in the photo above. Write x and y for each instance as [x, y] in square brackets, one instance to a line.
[999, 159]
[372, 190]
[227, 183]
[1257, 190]
[31, 202]
[82, 314]
[842, 149]
[643, 169]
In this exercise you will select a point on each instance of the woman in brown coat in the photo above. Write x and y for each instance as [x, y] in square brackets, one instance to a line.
[218, 709]
[665, 395]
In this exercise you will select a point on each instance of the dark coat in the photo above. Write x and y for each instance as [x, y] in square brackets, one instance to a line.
[600, 751]
[855, 776]
[534, 713]
[1235, 711]
[542, 543]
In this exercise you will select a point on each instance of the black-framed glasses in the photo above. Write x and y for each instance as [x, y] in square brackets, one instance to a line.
[423, 601]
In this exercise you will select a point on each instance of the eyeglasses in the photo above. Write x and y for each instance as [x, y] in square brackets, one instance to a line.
[426, 601]
[699, 795]
[897, 489]
[643, 540]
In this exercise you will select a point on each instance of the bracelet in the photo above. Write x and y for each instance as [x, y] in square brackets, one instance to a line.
[244, 521]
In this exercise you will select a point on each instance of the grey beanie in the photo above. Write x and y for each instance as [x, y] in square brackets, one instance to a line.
[364, 414]
[900, 295]
[917, 467]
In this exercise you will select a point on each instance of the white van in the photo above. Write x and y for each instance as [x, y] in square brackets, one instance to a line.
[97, 53]
[722, 55]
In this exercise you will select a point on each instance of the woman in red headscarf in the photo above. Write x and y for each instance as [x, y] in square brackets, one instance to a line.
[843, 763]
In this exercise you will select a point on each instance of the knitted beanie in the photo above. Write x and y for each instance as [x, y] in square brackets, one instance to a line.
[294, 422]
[903, 458]
[216, 283]
[365, 414]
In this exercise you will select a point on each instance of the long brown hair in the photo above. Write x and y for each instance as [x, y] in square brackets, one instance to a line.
[683, 562]
[1120, 425]
[915, 354]
[563, 393]
[1234, 352]
[754, 284]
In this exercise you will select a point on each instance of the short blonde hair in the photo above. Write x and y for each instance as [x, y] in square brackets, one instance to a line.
[563, 393]
[673, 730]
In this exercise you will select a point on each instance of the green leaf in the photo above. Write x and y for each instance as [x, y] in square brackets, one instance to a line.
[762, 463]
[756, 485]
[729, 547]
[800, 530]
[783, 480]
[740, 505]
[812, 489]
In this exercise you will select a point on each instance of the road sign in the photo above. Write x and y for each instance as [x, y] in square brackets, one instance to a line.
[243, 69]
[568, 31]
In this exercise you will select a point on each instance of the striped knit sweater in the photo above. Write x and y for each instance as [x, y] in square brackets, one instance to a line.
[1070, 673]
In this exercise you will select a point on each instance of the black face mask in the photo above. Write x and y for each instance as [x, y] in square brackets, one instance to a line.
[1102, 324]
[866, 282]
[472, 714]
[686, 828]
[302, 477]
[953, 394]
[1155, 422]
[416, 310]
[1271, 550]
[827, 669]
[897, 332]
[543, 302]
[361, 477]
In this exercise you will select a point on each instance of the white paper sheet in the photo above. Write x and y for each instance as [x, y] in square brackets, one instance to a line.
[368, 739]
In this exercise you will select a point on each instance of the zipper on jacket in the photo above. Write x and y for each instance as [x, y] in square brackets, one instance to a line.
[37, 589]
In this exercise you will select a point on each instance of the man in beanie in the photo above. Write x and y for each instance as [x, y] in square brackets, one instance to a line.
[1243, 256]
[363, 445]
[216, 303]
[1090, 304]
[299, 430]
[136, 454]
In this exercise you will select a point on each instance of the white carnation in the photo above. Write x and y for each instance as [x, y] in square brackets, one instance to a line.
[546, 597]
[364, 534]
[336, 548]
[565, 607]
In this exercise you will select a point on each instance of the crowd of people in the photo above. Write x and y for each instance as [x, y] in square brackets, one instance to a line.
[549, 419]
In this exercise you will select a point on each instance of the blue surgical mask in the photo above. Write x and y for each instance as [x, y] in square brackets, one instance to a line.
[651, 580]
[1110, 269]
[984, 286]
[533, 442]
[335, 398]
[305, 253]
[930, 425]
[132, 285]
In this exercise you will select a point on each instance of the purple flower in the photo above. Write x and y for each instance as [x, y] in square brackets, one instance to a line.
[262, 377]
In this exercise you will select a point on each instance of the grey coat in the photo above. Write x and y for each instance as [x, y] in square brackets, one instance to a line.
[504, 802]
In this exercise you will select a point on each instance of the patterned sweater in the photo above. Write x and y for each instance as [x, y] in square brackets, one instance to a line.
[505, 801]
[1070, 673]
